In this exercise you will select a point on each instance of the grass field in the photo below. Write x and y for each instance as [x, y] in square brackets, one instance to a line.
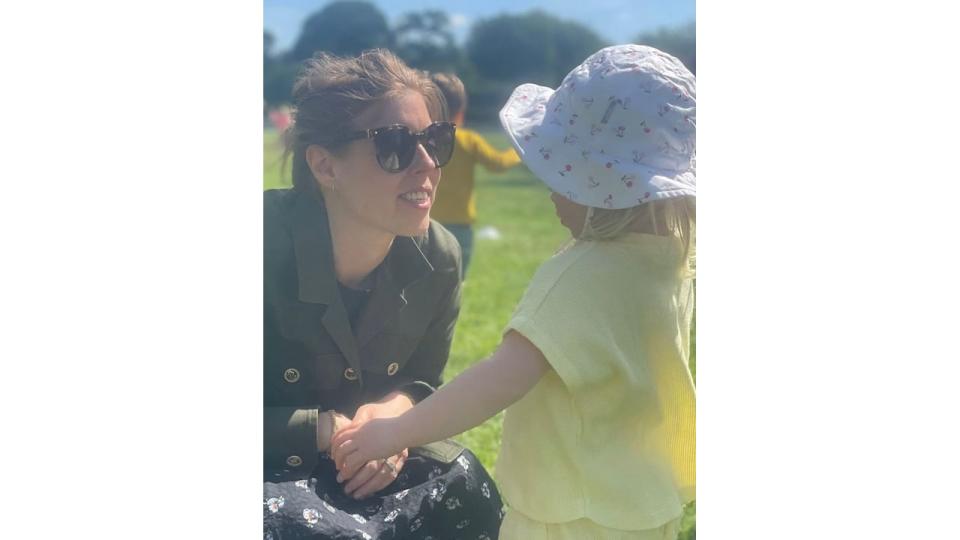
[517, 205]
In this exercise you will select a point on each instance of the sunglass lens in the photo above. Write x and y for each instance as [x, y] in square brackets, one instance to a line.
[440, 142]
[395, 148]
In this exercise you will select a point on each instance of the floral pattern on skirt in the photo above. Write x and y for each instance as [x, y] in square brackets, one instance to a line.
[430, 500]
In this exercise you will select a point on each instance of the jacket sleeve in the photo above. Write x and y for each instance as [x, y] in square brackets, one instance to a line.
[492, 159]
[290, 439]
[289, 433]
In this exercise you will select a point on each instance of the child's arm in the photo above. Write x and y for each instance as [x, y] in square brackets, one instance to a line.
[494, 160]
[467, 401]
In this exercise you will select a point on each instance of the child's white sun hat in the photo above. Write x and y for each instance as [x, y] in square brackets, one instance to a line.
[618, 132]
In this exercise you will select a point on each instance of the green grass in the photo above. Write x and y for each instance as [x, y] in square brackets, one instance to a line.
[272, 153]
[518, 205]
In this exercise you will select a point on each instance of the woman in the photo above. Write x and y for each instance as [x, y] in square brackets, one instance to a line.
[361, 297]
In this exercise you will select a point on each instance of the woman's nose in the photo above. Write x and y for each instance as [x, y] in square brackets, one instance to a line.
[422, 160]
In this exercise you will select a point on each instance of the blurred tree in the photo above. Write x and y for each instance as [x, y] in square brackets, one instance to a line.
[680, 42]
[536, 47]
[278, 73]
[424, 41]
[507, 50]
[343, 28]
[574, 43]
[268, 41]
[276, 89]
[278, 77]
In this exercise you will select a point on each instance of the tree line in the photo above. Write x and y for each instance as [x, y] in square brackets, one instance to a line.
[500, 52]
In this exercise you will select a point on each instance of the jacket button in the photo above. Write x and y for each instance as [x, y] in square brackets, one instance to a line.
[350, 374]
[393, 368]
[291, 375]
[294, 461]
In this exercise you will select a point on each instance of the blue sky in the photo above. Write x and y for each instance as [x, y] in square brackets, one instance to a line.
[616, 21]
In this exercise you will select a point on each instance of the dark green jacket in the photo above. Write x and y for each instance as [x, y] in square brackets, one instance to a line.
[312, 359]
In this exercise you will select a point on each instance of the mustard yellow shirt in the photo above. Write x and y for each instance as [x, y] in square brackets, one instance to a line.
[609, 433]
[455, 201]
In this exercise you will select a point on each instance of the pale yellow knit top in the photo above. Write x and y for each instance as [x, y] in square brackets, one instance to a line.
[609, 433]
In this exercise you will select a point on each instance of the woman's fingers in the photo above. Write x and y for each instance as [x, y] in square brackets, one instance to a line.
[383, 478]
[342, 449]
[367, 472]
[338, 439]
[351, 464]
[336, 452]
[340, 454]
[386, 474]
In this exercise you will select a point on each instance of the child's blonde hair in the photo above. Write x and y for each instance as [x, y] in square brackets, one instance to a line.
[675, 216]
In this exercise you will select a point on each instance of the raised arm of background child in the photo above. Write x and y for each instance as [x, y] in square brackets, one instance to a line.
[465, 402]
[491, 158]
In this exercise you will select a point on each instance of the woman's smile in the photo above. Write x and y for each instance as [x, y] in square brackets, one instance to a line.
[420, 198]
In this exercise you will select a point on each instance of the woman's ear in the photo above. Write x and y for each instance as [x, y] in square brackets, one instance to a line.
[320, 162]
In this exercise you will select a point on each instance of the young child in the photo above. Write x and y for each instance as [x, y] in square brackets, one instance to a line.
[599, 438]
[455, 205]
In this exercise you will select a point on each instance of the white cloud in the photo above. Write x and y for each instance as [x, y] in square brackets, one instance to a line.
[458, 20]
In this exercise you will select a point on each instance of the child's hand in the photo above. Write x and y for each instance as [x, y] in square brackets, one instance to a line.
[353, 446]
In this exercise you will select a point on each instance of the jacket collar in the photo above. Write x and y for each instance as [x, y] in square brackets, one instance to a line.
[404, 265]
[313, 246]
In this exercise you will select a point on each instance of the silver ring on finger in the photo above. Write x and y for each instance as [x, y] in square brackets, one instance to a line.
[391, 466]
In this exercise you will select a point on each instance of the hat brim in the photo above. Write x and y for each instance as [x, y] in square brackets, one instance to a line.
[524, 112]
[524, 119]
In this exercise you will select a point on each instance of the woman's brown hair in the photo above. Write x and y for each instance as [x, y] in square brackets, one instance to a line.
[330, 92]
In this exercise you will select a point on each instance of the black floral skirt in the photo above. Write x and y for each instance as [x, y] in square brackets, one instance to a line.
[429, 500]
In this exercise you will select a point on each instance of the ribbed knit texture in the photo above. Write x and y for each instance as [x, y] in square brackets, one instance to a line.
[609, 434]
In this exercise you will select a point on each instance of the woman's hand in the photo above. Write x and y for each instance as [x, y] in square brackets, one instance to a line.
[356, 446]
[374, 475]
[330, 422]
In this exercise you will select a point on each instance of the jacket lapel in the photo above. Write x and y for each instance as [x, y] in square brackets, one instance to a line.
[405, 264]
[384, 305]
[316, 275]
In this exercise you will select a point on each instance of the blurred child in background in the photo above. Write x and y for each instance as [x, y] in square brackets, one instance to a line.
[455, 205]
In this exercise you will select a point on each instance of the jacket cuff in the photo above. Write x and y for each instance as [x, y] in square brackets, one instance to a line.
[297, 451]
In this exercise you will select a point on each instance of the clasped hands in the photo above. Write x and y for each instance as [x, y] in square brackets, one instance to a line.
[362, 478]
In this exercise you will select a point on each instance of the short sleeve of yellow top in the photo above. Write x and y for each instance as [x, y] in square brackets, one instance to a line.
[608, 434]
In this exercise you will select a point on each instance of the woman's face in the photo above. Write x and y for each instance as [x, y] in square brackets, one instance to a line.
[570, 213]
[394, 203]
